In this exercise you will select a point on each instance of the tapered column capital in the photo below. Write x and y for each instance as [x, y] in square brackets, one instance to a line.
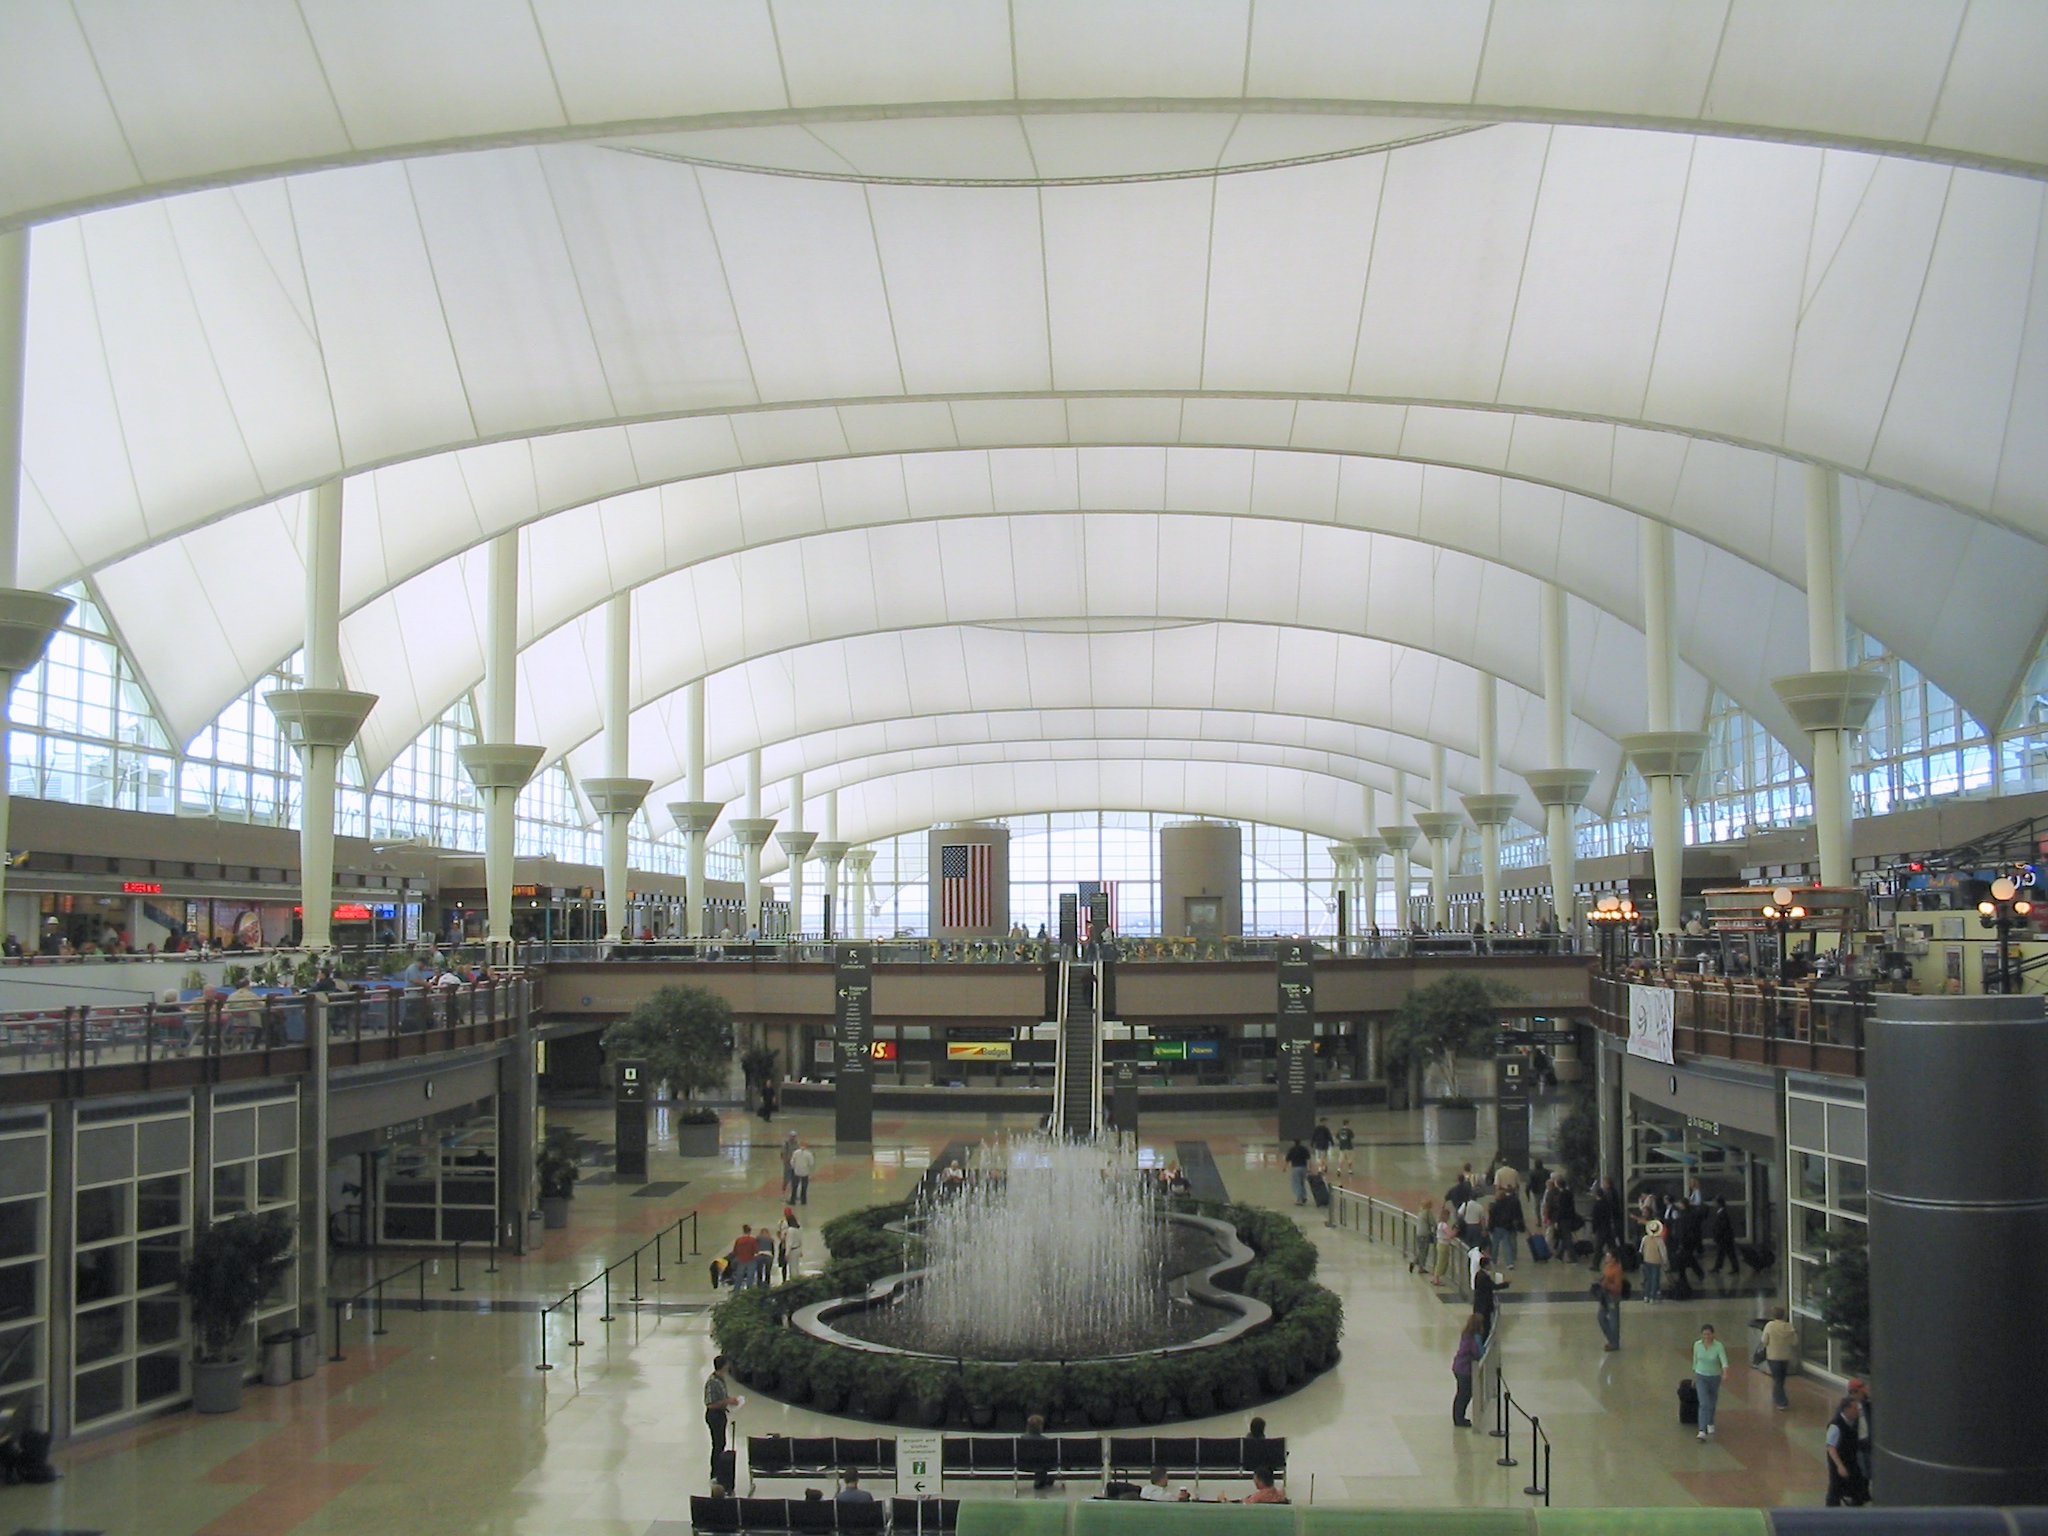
[499, 764]
[1400, 839]
[1666, 754]
[796, 844]
[1368, 848]
[319, 717]
[27, 620]
[753, 831]
[1490, 810]
[829, 853]
[1439, 826]
[1567, 787]
[617, 797]
[1830, 700]
[694, 818]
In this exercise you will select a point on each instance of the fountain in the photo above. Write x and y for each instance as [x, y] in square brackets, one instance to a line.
[1051, 1250]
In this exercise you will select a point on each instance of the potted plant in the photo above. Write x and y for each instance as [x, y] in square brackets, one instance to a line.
[235, 1264]
[555, 1171]
[684, 1034]
[1431, 1029]
[1842, 1285]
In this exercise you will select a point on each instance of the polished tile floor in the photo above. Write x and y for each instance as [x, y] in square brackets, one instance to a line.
[444, 1424]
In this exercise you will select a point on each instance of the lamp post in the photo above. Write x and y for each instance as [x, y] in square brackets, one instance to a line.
[1783, 912]
[2005, 911]
[1610, 912]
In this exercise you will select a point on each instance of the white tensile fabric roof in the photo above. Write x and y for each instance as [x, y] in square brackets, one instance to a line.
[1026, 361]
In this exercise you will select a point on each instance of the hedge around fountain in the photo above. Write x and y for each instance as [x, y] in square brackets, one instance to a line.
[752, 1327]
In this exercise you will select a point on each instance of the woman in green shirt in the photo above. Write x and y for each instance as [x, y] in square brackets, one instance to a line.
[1709, 1363]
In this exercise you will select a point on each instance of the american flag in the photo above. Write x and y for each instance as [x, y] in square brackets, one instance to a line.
[966, 885]
[1089, 889]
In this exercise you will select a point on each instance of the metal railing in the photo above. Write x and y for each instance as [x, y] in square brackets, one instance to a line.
[344, 1306]
[378, 1021]
[1377, 1220]
[1816, 1027]
[573, 1297]
[1129, 950]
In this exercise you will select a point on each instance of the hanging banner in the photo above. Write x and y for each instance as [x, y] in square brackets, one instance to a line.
[1649, 1022]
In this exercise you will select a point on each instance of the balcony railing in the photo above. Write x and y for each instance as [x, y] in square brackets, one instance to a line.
[84, 1050]
[1809, 1026]
[1129, 950]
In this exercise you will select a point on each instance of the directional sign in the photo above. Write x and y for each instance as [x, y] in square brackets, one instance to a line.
[917, 1466]
[1513, 1037]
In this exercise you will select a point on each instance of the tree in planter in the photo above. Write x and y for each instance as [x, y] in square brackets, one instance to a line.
[235, 1265]
[684, 1034]
[1843, 1286]
[1578, 1141]
[555, 1172]
[1434, 1026]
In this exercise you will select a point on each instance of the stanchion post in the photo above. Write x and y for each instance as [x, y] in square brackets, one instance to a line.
[458, 1267]
[1500, 1413]
[378, 1316]
[1506, 1458]
[607, 1316]
[693, 1234]
[576, 1318]
[1534, 1488]
[421, 1305]
[544, 1366]
[657, 1253]
[491, 1268]
[636, 1296]
[336, 1356]
[1546, 1474]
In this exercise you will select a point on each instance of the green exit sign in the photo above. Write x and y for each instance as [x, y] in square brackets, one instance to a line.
[1169, 1050]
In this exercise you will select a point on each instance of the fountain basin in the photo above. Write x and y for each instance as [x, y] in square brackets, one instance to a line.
[1229, 1315]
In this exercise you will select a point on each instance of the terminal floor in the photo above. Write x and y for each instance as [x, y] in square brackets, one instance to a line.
[444, 1424]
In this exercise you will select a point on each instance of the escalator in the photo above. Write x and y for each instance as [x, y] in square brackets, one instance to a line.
[1077, 1076]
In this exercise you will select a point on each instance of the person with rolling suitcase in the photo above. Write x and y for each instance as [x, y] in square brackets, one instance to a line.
[1318, 1183]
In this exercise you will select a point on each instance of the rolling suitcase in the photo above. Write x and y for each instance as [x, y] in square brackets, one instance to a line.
[1688, 1402]
[1320, 1188]
[1539, 1248]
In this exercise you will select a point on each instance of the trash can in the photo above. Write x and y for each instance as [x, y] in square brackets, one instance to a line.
[277, 1358]
[305, 1353]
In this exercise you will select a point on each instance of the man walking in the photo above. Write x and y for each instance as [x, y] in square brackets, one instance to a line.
[1845, 1471]
[718, 1403]
[789, 1146]
[1346, 1140]
[1297, 1171]
[803, 1162]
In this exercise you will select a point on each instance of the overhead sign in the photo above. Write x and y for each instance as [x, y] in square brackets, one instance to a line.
[519, 891]
[142, 887]
[918, 1467]
[853, 1030]
[882, 1050]
[1294, 1027]
[1513, 1037]
[977, 1050]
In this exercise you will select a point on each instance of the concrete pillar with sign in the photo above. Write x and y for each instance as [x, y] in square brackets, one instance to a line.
[1294, 1030]
[1511, 1084]
[629, 1118]
[853, 1030]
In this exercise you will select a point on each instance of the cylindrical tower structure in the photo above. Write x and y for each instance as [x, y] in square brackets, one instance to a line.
[1201, 880]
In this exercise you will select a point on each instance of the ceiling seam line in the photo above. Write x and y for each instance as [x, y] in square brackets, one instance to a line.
[113, 393]
[1714, 64]
[2012, 394]
[212, 354]
[440, 299]
[1808, 299]
[341, 469]
[547, 56]
[732, 302]
[1670, 269]
[326, 81]
[106, 94]
[867, 202]
[1948, 66]
[561, 232]
[1507, 342]
[1208, 292]
[1372, 250]
[1912, 323]
[781, 59]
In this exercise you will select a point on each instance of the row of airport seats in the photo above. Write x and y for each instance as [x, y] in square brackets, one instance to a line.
[1100, 1517]
[822, 1517]
[964, 1457]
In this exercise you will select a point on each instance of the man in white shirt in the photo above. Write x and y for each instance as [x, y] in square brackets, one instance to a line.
[1158, 1492]
[802, 1163]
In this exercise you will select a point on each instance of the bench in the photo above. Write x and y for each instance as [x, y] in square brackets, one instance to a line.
[813, 1517]
[1198, 1456]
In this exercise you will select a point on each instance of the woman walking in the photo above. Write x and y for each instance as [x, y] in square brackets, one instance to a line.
[1709, 1364]
[1781, 1348]
[1462, 1364]
[1446, 1243]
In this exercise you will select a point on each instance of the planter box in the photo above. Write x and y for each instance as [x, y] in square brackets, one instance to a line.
[697, 1140]
[554, 1212]
[217, 1385]
[1452, 1122]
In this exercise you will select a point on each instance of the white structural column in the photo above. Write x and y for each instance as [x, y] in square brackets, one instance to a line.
[751, 833]
[796, 847]
[1559, 789]
[860, 864]
[1341, 883]
[1439, 826]
[1489, 809]
[1370, 848]
[1665, 756]
[831, 853]
[322, 718]
[1830, 702]
[498, 766]
[694, 816]
[615, 797]
[1400, 838]
[27, 619]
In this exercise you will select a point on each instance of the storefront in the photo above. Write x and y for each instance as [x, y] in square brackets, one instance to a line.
[1711, 1122]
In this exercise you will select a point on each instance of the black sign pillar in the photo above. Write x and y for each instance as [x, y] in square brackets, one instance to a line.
[629, 1118]
[1123, 1098]
[1070, 919]
[853, 1029]
[1294, 1032]
[1511, 1083]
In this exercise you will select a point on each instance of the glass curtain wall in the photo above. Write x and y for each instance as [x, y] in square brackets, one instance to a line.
[24, 1257]
[1828, 1195]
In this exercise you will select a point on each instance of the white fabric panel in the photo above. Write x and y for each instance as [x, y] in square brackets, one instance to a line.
[119, 99]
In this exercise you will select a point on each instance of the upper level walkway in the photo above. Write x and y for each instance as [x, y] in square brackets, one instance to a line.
[1809, 1026]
